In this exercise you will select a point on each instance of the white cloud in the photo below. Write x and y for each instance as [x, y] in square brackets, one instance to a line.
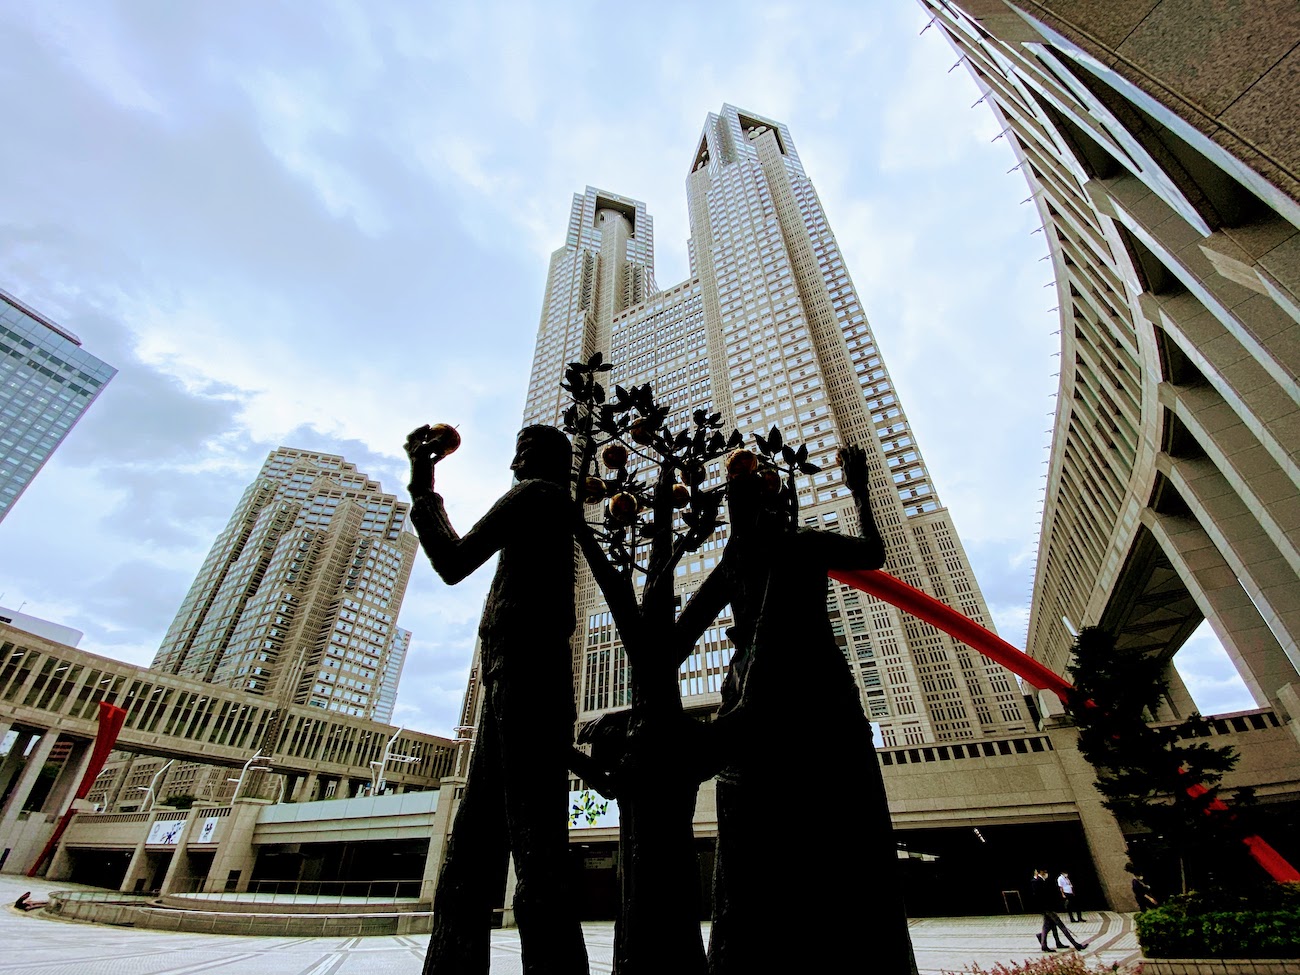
[1210, 675]
[333, 224]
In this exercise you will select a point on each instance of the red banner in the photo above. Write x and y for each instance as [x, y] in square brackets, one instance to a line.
[924, 607]
[111, 719]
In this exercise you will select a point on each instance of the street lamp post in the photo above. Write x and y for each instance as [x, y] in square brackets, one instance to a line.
[152, 796]
[379, 768]
[249, 766]
[464, 739]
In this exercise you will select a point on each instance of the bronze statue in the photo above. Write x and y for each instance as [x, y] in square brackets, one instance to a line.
[771, 889]
[517, 789]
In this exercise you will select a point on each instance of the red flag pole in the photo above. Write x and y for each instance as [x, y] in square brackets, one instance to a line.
[925, 607]
[111, 719]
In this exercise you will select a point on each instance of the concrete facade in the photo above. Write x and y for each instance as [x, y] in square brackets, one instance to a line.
[1030, 796]
[1160, 147]
[1159, 142]
[49, 698]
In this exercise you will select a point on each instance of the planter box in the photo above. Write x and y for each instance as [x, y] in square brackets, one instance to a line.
[1221, 966]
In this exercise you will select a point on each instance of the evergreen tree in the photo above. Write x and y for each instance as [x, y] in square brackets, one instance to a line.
[1162, 781]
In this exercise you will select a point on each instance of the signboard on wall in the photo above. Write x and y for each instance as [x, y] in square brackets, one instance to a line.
[588, 809]
[208, 830]
[165, 832]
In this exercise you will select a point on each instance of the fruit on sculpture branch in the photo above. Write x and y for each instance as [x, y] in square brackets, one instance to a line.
[622, 507]
[593, 489]
[771, 481]
[615, 456]
[681, 495]
[443, 438]
[642, 431]
[741, 462]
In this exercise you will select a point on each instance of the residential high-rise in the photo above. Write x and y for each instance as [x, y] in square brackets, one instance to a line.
[769, 330]
[298, 597]
[47, 381]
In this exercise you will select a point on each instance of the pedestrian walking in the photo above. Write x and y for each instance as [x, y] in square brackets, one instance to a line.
[1066, 887]
[1045, 899]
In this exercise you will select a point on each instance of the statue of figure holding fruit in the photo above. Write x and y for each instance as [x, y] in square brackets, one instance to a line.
[773, 883]
[517, 786]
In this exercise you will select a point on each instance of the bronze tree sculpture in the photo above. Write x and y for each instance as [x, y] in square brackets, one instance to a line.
[655, 755]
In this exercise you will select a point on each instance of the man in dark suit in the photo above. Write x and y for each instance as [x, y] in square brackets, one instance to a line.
[1044, 896]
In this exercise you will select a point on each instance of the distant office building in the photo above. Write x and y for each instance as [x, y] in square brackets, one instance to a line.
[299, 596]
[1159, 143]
[393, 663]
[47, 381]
[34, 624]
[769, 331]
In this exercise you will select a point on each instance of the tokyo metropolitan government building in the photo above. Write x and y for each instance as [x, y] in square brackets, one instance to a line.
[769, 330]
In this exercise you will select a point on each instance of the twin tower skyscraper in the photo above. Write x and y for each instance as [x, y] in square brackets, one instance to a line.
[298, 597]
[769, 330]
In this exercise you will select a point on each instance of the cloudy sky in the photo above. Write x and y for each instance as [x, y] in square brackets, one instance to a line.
[321, 224]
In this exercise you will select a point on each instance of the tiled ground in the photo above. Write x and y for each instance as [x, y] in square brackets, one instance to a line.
[34, 945]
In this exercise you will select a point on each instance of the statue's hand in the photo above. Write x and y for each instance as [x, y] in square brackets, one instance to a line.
[854, 462]
[422, 451]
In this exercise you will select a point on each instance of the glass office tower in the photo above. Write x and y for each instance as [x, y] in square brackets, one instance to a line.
[47, 381]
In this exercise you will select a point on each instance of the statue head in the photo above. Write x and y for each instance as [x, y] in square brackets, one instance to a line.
[542, 452]
[757, 499]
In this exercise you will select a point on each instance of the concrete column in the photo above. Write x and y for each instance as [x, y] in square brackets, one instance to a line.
[1253, 648]
[138, 868]
[444, 814]
[65, 786]
[1289, 699]
[306, 790]
[60, 867]
[1177, 704]
[508, 913]
[162, 783]
[14, 760]
[235, 855]
[60, 801]
[5, 727]
[1100, 830]
[114, 795]
[27, 779]
[178, 869]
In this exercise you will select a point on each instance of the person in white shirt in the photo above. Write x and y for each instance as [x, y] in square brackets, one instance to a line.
[1066, 887]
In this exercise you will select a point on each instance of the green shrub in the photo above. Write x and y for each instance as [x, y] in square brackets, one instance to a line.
[1264, 923]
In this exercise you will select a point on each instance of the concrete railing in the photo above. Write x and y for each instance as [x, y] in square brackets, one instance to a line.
[142, 910]
[106, 907]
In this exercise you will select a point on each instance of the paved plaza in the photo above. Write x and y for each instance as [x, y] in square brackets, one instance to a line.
[37, 945]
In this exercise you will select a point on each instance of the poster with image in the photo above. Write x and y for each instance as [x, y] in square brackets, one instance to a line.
[588, 809]
[165, 832]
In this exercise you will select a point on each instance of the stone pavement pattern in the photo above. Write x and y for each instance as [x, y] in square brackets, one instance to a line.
[31, 944]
